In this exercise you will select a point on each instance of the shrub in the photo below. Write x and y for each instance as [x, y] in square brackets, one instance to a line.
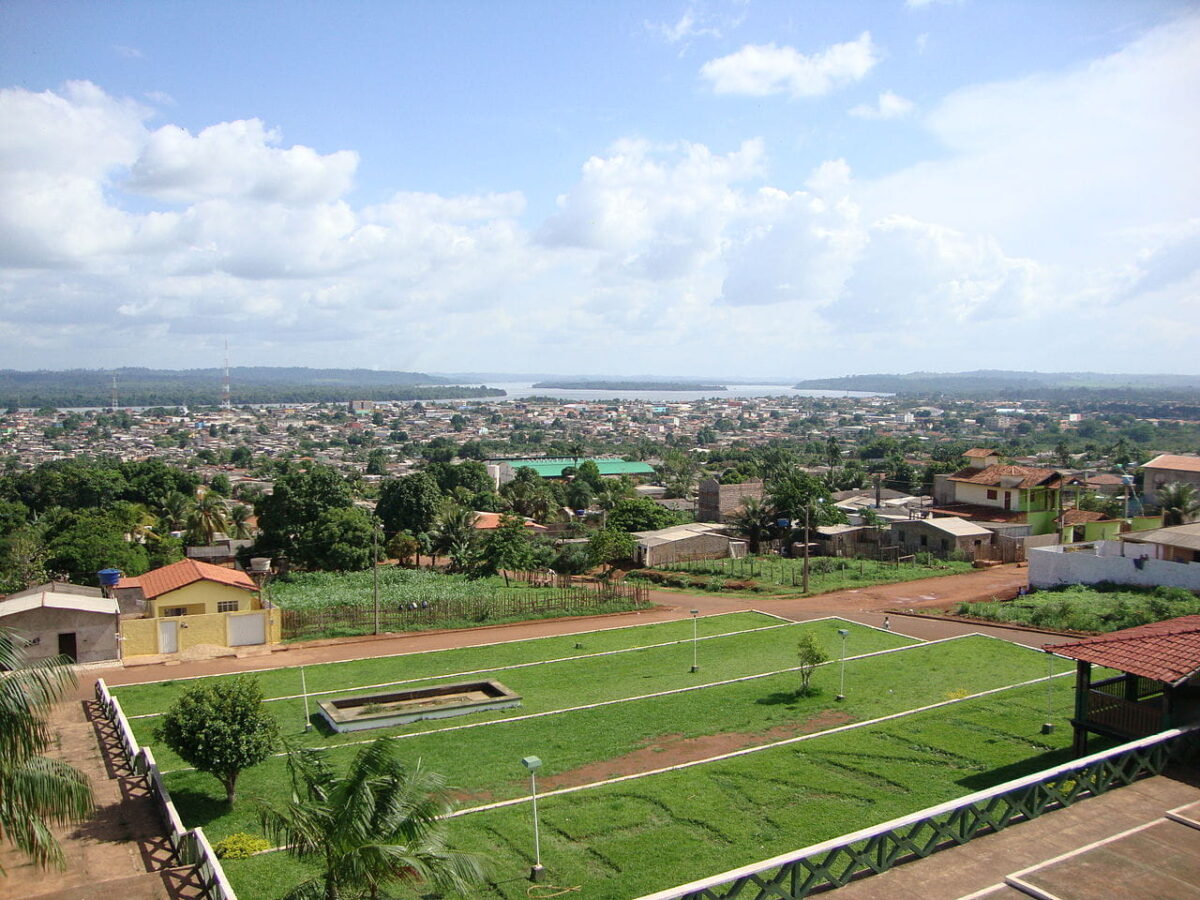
[240, 846]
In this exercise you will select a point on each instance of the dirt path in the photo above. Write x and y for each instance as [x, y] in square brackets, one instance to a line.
[865, 605]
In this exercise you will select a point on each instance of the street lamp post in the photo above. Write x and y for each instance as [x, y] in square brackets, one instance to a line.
[532, 763]
[375, 571]
[695, 644]
[806, 513]
[842, 690]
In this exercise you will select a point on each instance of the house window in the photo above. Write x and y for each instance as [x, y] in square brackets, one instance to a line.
[227, 606]
[924, 540]
[174, 611]
[992, 495]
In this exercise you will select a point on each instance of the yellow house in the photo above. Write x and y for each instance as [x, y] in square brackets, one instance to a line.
[189, 603]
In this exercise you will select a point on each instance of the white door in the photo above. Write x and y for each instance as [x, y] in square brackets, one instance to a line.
[168, 636]
[248, 629]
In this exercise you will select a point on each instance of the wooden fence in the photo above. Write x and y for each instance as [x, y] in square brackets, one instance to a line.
[513, 604]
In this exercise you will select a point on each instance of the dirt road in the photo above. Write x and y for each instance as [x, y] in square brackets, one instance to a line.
[866, 605]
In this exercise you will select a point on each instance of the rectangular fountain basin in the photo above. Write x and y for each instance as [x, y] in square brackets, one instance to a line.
[365, 711]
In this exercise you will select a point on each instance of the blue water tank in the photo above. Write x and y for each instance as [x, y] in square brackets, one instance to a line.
[783, 523]
[109, 577]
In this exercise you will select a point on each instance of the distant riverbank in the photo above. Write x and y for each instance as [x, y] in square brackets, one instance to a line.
[627, 386]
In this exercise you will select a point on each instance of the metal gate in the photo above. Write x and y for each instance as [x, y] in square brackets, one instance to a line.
[250, 628]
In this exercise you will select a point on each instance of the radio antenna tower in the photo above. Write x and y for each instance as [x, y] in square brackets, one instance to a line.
[114, 393]
[226, 400]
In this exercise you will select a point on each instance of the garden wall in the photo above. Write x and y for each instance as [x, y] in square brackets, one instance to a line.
[1093, 563]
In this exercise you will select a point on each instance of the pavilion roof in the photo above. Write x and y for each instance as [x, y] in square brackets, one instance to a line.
[1161, 651]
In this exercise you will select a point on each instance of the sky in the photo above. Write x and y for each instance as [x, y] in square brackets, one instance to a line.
[740, 188]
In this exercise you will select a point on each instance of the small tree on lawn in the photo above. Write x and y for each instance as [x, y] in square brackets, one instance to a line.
[811, 655]
[220, 729]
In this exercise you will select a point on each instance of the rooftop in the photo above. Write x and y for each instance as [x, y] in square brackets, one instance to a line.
[57, 600]
[1187, 536]
[1007, 476]
[553, 468]
[1175, 463]
[1162, 651]
[187, 571]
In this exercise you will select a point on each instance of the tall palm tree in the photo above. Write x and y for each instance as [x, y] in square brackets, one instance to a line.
[239, 521]
[1179, 503]
[35, 792]
[454, 532]
[207, 517]
[173, 510]
[753, 521]
[379, 823]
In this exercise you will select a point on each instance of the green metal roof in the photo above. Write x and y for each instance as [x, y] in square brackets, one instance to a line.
[553, 468]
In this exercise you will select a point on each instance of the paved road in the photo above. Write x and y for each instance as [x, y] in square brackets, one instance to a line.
[866, 605]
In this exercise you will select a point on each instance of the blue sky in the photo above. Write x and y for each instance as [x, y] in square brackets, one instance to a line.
[777, 189]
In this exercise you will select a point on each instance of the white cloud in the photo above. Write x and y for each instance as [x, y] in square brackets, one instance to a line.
[889, 106]
[238, 159]
[924, 4]
[758, 70]
[689, 25]
[1060, 199]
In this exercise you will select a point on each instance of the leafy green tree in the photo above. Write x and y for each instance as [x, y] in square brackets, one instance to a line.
[453, 535]
[579, 494]
[507, 548]
[380, 823]
[340, 541]
[640, 514]
[589, 473]
[35, 791]
[81, 544]
[220, 728]
[528, 495]
[289, 513]
[404, 546]
[409, 503]
[23, 556]
[609, 546]
[239, 522]
[809, 655]
[220, 485]
[377, 461]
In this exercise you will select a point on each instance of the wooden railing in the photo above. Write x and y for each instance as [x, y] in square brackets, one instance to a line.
[1132, 718]
[190, 844]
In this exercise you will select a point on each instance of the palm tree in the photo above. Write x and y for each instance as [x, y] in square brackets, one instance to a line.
[379, 823]
[454, 532]
[239, 521]
[207, 517]
[753, 521]
[35, 792]
[1179, 503]
[173, 510]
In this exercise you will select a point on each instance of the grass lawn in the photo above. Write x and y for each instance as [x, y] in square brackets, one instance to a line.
[156, 696]
[634, 837]
[779, 575]
[587, 745]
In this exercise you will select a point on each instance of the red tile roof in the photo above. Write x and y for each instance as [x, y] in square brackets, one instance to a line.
[980, 453]
[187, 571]
[486, 521]
[1162, 651]
[995, 475]
[1175, 463]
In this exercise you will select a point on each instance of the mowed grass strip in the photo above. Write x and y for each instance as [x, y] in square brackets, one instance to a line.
[588, 746]
[157, 696]
[561, 684]
[623, 840]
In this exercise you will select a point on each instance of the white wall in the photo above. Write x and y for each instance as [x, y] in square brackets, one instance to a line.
[1056, 566]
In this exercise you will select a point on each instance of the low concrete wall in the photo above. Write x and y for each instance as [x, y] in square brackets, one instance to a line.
[1092, 563]
[141, 635]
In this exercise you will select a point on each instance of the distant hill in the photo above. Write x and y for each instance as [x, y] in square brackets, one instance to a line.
[629, 386]
[202, 387]
[989, 383]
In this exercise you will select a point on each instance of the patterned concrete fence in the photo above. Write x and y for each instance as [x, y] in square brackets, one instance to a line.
[871, 851]
[191, 846]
